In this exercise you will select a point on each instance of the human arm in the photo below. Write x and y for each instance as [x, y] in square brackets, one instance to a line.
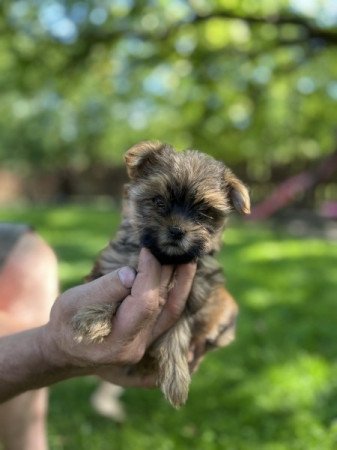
[42, 356]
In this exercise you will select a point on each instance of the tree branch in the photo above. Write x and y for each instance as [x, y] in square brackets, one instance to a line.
[312, 31]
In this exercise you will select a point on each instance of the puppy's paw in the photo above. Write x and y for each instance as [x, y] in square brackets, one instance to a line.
[105, 400]
[93, 323]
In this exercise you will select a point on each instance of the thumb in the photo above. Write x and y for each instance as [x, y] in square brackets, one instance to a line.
[111, 288]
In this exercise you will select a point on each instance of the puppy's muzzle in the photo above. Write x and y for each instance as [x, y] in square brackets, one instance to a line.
[176, 233]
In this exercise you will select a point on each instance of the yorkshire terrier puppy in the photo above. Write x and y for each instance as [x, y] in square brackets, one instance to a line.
[176, 205]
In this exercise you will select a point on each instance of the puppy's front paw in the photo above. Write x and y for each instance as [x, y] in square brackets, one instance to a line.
[93, 323]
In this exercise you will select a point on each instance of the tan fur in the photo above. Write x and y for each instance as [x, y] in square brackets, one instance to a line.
[93, 323]
[136, 154]
[215, 324]
[194, 193]
[173, 369]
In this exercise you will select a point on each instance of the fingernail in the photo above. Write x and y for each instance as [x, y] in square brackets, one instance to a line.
[127, 276]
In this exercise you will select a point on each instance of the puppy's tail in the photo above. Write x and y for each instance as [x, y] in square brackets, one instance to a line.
[172, 354]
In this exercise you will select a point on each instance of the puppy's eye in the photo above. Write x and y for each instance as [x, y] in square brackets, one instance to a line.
[210, 214]
[204, 215]
[159, 202]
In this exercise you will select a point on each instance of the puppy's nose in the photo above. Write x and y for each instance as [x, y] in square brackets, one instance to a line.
[176, 232]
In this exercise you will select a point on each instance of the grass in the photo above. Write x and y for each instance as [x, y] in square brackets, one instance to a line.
[275, 388]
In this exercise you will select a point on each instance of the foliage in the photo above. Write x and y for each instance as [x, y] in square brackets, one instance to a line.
[246, 81]
[273, 389]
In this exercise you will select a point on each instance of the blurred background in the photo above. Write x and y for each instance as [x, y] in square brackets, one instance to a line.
[252, 83]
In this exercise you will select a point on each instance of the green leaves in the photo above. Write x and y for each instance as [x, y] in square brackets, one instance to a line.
[244, 81]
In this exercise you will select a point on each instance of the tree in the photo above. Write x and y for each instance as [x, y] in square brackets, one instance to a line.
[249, 82]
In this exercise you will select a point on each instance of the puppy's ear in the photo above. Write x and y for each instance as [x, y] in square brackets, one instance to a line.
[238, 192]
[142, 156]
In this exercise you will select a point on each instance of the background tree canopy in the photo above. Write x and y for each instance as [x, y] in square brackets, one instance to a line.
[246, 81]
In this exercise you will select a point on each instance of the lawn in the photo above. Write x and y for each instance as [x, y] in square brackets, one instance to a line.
[275, 388]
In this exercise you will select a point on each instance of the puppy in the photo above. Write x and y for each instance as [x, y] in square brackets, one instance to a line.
[176, 205]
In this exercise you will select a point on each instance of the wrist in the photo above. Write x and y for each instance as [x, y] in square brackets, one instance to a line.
[49, 351]
[56, 361]
[30, 360]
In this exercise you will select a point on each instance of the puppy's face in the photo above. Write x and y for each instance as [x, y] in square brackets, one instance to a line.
[179, 201]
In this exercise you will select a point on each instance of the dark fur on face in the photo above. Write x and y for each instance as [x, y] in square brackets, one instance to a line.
[176, 204]
[180, 200]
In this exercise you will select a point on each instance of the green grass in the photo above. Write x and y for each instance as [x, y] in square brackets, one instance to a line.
[275, 388]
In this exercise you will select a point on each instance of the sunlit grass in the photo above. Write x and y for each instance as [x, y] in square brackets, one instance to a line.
[275, 388]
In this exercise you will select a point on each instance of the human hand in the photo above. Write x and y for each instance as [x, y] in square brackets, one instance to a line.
[146, 310]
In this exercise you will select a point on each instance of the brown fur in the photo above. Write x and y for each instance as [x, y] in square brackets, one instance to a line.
[176, 204]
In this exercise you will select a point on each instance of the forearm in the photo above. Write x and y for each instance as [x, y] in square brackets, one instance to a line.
[24, 366]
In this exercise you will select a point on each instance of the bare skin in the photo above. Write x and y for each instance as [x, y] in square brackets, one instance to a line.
[44, 355]
[28, 288]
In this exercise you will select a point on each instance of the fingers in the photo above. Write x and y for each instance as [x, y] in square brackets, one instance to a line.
[127, 276]
[137, 316]
[182, 287]
[165, 283]
[117, 375]
[141, 307]
[176, 300]
[108, 289]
